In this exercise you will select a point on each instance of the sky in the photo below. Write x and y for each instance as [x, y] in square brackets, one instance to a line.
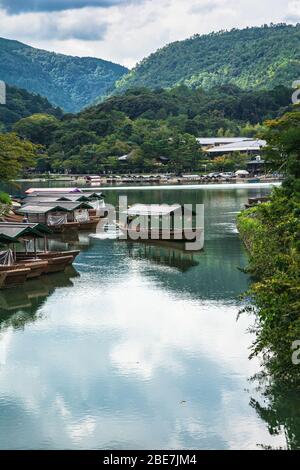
[126, 31]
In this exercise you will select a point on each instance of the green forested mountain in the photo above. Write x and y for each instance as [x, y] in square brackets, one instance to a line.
[20, 103]
[227, 102]
[69, 82]
[257, 57]
[148, 126]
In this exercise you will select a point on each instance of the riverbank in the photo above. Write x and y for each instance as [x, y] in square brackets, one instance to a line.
[270, 234]
[149, 180]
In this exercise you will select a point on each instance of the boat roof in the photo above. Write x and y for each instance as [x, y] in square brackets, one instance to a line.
[48, 197]
[153, 209]
[11, 232]
[88, 193]
[53, 190]
[45, 207]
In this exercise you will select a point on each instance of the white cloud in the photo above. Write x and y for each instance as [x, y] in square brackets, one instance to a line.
[293, 10]
[127, 32]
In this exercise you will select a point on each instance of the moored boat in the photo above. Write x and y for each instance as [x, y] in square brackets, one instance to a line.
[56, 261]
[17, 267]
[254, 201]
[161, 222]
[2, 278]
[58, 264]
[13, 276]
[45, 255]
[37, 267]
[65, 214]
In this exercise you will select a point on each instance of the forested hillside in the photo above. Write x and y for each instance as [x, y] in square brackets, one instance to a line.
[69, 82]
[20, 103]
[257, 57]
[148, 125]
[208, 107]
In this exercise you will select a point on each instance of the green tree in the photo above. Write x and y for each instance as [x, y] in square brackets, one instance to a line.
[39, 128]
[271, 232]
[16, 155]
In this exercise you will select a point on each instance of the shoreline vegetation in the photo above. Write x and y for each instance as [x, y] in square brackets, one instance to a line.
[150, 179]
[271, 234]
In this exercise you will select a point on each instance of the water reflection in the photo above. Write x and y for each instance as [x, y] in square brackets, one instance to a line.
[26, 300]
[163, 254]
[280, 409]
[144, 350]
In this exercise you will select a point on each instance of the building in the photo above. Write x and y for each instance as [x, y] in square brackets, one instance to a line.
[245, 146]
[256, 166]
[215, 141]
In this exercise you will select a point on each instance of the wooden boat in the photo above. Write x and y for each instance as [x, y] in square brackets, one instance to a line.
[64, 228]
[156, 232]
[52, 190]
[59, 216]
[253, 180]
[58, 264]
[27, 265]
[161, 234]
[90, 225]
[37, 267]
[50, 264]
[13, 276]
[2, 278]
[254, 201]
[14, 218]
[46, 255]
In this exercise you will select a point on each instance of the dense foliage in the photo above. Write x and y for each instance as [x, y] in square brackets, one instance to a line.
[4, 198]
[150, 127]
[201, 110]
[258, 57]
[21, 103]
[68, 82]
[272, 233]
[16, 155]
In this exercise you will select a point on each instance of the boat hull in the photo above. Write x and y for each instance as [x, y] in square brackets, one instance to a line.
[2, 279]
[90, 225]
[64, 228]
[13, 277]
[59, 264]
[48, 255]
[37, 268]
[157, 235]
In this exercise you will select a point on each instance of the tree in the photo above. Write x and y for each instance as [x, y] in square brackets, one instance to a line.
[283, 150]
[39, 128]
[271, 232]
[15, 156]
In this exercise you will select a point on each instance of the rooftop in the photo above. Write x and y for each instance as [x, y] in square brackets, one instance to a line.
[153, 209]
[11, 232]
[242, 146]
[220, 140]
[45, 207]
[53, 190]
[50, 197]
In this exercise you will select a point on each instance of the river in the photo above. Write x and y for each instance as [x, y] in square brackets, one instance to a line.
[140, 347]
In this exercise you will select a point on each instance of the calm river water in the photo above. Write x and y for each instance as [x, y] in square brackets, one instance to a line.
[137, 348]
